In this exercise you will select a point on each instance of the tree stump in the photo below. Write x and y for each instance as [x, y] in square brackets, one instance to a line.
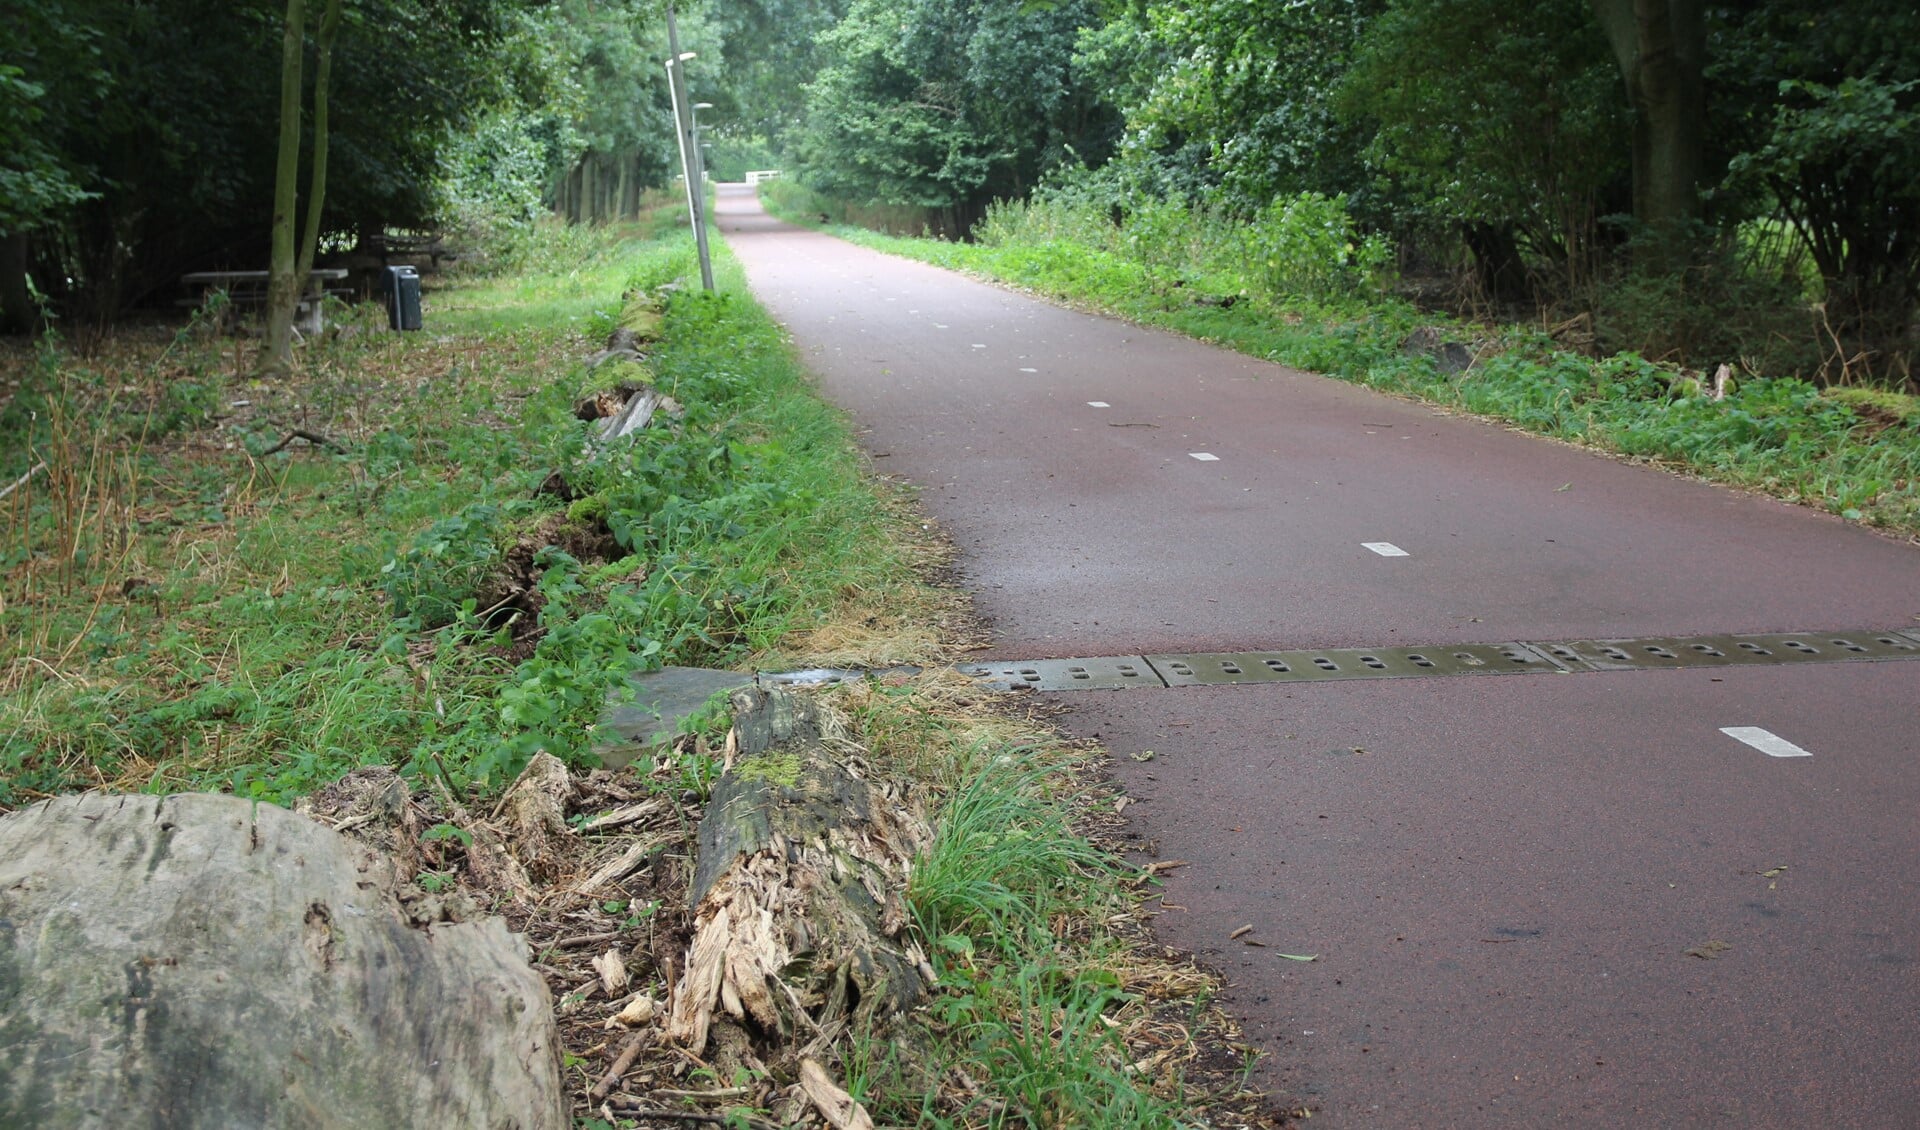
[203, 961]
[799, 888]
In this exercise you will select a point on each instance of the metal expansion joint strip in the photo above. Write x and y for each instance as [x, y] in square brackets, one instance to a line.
[1329, 664]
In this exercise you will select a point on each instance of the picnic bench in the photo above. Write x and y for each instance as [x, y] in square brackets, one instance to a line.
[249, 288]
[429, 246]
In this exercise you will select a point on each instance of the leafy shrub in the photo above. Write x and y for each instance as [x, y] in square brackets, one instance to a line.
[1306, 246]
[1158, 233]
[591, 643]
[445, 565]
[1744, 304]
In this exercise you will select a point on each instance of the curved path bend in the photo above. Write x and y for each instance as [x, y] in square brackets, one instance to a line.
[1502, 877]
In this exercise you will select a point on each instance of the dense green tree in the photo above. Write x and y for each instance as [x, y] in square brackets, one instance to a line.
[612, 55]
[1233, 97]
[1822, 105]
[774, 49]
[948, 104]
[35, 184]
[1498, 121]
[35, 187]
[1661, 49]
[40, 181]
[290, 259]
[158, 110]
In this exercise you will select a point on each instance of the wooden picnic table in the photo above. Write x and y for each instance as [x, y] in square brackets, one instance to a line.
[250, 288]
[257, 280]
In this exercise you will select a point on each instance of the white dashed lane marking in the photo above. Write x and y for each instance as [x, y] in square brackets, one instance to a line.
[1385, 548]
[1766, 741]
[1204, 456]
[1098, 404]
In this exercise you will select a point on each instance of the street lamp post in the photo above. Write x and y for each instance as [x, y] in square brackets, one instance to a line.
[689, 148]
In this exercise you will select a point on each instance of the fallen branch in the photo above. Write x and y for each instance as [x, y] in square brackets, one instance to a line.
[620, 818]
[619, 868]
[584, 940]
[22, 480]
[314, 438]
[629, 1052]
[704, 1096]
[746, 1120]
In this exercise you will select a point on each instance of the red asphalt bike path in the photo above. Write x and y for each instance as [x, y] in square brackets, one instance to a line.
[1501, 876]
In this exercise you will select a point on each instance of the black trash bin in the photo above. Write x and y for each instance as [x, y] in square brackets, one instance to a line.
[401, 288]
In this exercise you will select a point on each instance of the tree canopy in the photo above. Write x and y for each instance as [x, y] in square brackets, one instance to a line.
[949, 104]
[138, 140]
[1551, 147]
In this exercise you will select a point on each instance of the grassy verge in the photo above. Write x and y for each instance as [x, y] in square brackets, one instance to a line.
[408, 555]
[1853, 452]
[186, 606]
[1055, 1009]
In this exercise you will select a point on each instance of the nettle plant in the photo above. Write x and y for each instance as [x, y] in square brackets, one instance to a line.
[1306, 246]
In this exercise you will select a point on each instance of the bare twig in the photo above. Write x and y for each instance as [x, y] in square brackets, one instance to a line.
[314, 438]
[22, 480]
[584, 940]
[839, 1108]
[708, 1119]
[482, 615]
[629, 1052]
[624, 816]
[353, 822]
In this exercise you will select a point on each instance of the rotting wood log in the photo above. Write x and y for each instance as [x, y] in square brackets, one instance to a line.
[637, 413]
[623, 340]
[536, 811]
[798, 888]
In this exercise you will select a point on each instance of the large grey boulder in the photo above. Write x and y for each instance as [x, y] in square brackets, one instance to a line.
[204, 961]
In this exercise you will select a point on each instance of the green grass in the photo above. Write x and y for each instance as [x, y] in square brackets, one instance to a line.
[1038, 1019]
[1847, 453]
[1038, 996]
[183, 610]
[1007, 859]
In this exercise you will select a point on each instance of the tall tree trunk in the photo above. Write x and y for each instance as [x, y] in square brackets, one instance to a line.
[317, 192]
[283, 286]
[1661, 46]
[1497, 265]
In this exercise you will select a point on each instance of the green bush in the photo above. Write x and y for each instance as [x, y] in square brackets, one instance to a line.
[1746, 304]
[446, 565]
[1306, 246]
